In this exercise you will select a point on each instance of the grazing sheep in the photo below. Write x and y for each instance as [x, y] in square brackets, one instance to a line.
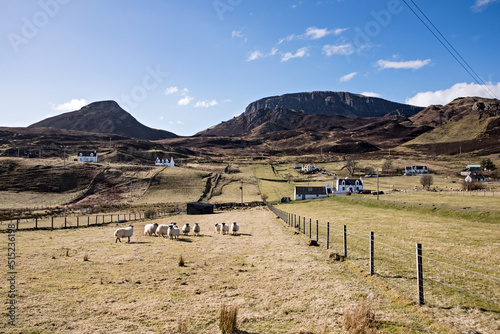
[186, 229]
[217, 228]
[124, 232]
[162, 230]
[173, 232]
[225, 228]
[150, 229]
[235, 227]
[196, 229]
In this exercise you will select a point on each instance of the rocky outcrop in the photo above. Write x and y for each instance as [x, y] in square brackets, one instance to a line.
[104, 117]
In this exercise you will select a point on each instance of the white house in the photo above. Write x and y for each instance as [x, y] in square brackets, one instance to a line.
[349, 185]
[309, 193]
[160, 162]
[307, 168]
[416, 169]
[87, 156]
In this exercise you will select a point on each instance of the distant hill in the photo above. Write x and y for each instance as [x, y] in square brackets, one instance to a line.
[313, 111]
[463, 125]
[105, 117]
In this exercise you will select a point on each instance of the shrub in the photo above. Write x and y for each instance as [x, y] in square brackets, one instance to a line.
[426, 181]
[181, 261]
[227, 322]
[150, 214]
[360, 319]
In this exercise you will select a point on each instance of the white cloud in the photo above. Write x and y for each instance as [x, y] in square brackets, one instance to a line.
[175, 123]
[238, 34]
[370, 94]
[287, 38]
[72, 105]
[302, 52]
[255, 55]
[347, 77]
[161, 118]
[185, 100]
[171, 90]
[206, 104]
[445, 96]
[410, 64]
[316, 33]
[341, 50]
[480, 5]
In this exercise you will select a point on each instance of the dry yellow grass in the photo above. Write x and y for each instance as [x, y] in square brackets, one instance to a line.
[277, 282]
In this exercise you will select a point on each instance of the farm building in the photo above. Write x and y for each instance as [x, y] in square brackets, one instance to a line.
[416, 169]
[160, 162]
[199, 208]
[309, 193]
[87, 156]
[349, 185]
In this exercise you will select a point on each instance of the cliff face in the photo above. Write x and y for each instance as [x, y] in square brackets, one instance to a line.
[318, 111]
[104, 117]
[333, 104]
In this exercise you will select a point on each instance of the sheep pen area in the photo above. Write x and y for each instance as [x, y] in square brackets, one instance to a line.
[80, 280]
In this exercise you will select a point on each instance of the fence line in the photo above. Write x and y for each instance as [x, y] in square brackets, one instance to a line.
[426, 279]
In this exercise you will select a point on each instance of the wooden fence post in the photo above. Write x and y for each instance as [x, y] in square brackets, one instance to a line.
[328, 235]
[310, 225]
[77, 221]
[52, 222]
[372, 269]
[420, 276]
[17, 225]
[345, 241]
[36, 223]
[64, 221]
[304, 224]
[88, 220]
[317, 230]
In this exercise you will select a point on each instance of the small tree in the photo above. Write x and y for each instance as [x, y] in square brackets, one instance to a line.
[426, 181]
[351, 166]
[387, 164]
[487, 164]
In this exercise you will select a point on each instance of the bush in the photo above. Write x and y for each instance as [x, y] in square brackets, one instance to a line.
[360, 319]
[150, 214]
[228, 323]
[426, 181]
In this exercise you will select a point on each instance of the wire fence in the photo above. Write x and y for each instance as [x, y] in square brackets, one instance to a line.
[78, 220]
[425, 277]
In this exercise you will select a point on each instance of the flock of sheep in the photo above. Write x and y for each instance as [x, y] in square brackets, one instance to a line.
[172, 231]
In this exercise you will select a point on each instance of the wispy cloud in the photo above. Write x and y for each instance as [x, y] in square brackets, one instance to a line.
[258, 55]
[175, 123]
[185, 100]
[73, 104]
[347, 77]
[302, 52]
[238, 34]
[370, 94]
[206, 104]
[174, 90]
[313, 33]
[445, 96]
[339, 50]
[480, 5]
[411, 64]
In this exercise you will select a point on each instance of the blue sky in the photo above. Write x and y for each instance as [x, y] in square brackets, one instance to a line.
[184, 66]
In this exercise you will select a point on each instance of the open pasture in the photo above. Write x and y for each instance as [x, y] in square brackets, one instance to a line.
[80, 280]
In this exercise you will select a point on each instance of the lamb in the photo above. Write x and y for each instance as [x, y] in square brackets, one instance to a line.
[173, 231]
[225, 228]
[124, 232]
[186, 229]
[150, 229]
[162, 230]
[196, 229]
[235, 227]
[217, 228]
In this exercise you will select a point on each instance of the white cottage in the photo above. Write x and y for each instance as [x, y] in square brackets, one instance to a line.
[349, 185]
[160, 162]
[301, 193]
[87, 156]
[416, 169]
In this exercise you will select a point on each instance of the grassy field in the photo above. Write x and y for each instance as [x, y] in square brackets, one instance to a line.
[81, 281]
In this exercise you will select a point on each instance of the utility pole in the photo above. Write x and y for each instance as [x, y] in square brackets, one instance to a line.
[377, 185]
[241, 188]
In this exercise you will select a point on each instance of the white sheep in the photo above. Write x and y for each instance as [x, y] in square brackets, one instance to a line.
[235, 227]
[173, 231]
[186, 229]
[225, 228]
[217, 228]
[196, 229]
[150, 229]
[162, 230]
[124, 232]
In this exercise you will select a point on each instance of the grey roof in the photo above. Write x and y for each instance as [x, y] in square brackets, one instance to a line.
[311, 191]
